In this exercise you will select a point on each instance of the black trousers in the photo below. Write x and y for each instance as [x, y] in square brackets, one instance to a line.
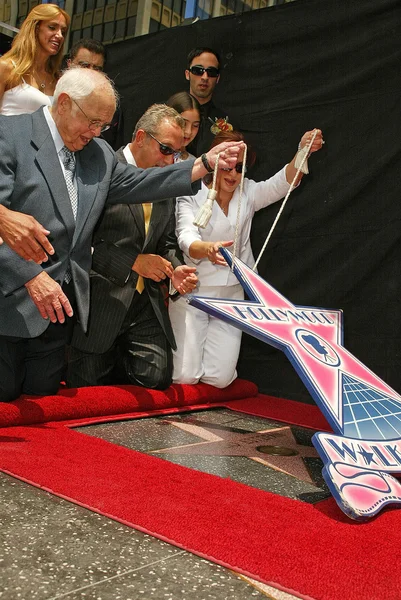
[34, 366]
[140, 355]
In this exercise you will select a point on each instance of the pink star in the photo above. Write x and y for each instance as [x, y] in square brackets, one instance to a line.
[310, 337]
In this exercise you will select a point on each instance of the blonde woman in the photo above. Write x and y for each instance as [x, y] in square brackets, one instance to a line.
[29, 70]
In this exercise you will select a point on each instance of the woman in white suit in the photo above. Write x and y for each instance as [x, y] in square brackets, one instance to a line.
[207, 347]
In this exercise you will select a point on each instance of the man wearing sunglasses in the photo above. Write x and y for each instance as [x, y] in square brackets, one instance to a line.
[134, 254]
[203, 74]
[91, 54]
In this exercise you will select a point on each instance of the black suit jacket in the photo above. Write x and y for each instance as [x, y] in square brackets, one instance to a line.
[204, 138]
[118, 239]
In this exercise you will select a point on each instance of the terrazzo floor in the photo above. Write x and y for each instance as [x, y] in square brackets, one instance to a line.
[51, 548]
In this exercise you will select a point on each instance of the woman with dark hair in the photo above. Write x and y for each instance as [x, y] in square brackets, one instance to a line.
[188, 107]
[207, 347]
[30, 69]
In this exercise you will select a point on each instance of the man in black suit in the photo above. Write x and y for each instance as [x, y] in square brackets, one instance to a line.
[203, 74]
[129, 338]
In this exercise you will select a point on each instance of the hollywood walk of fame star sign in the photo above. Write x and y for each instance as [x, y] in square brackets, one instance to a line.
[254, 445]
[364, 412]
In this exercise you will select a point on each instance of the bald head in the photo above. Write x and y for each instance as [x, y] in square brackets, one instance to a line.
[79, 83]
[84, 103]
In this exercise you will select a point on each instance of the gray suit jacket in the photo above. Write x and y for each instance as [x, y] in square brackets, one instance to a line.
[119, 238]
[32, 182]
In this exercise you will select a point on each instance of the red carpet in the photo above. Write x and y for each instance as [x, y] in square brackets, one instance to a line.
[88, 403]
[311, 551]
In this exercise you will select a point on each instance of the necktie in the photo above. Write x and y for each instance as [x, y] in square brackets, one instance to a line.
[147, 211]
[69, 166]
[69, 170]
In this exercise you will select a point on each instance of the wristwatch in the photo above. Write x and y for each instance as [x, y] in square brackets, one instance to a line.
[173, 294]
[206, 163]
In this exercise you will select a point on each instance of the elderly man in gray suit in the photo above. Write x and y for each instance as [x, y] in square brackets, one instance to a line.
[135, 251]
[55, 169]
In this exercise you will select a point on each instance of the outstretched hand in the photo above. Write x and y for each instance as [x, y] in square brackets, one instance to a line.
[49, 298]
[292, 172]
[184, 279]
[317, 142]
[228, 151]
[23, 234]
[213, 252]
[152, 266]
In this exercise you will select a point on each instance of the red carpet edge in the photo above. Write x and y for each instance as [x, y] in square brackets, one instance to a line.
[310, 551]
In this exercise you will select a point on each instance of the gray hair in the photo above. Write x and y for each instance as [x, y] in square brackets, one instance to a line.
[79, 83]
[153, 117]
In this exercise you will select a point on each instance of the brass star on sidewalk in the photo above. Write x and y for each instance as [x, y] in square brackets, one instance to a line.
[276, 448]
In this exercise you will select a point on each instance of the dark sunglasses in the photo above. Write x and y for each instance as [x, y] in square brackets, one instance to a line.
[211, 71]
[164, 149]
[238, 168]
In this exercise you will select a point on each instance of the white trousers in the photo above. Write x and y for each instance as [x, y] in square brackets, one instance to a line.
[207, 347]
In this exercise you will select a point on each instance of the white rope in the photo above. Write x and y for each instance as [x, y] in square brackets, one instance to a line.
[292, 186]
[204, 213]
[215, 171]
[237, 221]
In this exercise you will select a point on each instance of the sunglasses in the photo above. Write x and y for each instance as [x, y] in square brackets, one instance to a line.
[211, 71]
[164, 149]
[238, 168]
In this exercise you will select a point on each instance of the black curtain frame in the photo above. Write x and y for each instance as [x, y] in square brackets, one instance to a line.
[286, 69]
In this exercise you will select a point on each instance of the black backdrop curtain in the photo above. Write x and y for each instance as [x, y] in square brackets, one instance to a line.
[311, 63]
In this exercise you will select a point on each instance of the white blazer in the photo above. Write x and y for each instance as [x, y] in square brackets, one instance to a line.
[255, 195]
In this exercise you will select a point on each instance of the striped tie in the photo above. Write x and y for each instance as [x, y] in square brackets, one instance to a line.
[69, 166]
[69, 170]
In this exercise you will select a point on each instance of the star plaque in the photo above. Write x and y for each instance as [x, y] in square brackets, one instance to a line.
[364, 412]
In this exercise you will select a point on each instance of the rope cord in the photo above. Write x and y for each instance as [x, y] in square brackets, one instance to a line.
[292, 186]
[204, 213]
[237, 221]
[215, 171]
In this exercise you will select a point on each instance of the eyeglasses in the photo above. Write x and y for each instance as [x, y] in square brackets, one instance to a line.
[198, 70]
[164, 149]
[238, 168]
[87, 65]
[93, 125]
